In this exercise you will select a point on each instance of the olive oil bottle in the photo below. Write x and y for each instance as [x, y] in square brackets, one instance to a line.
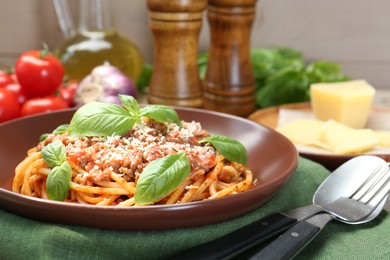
[95, 42]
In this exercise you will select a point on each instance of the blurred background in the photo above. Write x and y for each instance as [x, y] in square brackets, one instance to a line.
[353, 33]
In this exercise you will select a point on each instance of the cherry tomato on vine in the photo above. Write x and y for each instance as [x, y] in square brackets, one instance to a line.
[41, 105]
[39, 72]
[6, 78]
[18, 92]
[67, 92]
[9, 105]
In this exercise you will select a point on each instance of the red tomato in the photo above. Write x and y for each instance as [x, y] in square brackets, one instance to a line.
[18, 92]
[9, 105]
[41, 105]
[6, 78]
[39, 73]
[75, 156]
[67, 92]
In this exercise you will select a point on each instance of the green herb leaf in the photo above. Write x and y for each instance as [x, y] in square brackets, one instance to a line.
[58, 182]
[203, 60]
[325, 71]
[43, 137]
[144, 79]
[286, 86]
[161, 177]
[100, 119]
[61, 129]
[161, 113]
[232, 149]
[130, 104]
[54, 154]
[267, 61]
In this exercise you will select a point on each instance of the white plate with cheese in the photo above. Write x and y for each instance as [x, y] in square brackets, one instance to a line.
[274, 117]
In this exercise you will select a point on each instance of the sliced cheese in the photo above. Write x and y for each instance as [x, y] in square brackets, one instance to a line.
[346, 140]
[332, 126]
[384, 137]
[333, 136]
[302, 131]
[346, 102]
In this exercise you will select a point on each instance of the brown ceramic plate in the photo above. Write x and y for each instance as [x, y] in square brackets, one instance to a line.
[272, 158]
[270, 117]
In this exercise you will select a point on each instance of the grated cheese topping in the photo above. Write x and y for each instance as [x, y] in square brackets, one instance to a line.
[127, 155]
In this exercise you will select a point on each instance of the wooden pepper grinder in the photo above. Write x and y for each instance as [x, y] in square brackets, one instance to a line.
[176, 25]
[229, 83]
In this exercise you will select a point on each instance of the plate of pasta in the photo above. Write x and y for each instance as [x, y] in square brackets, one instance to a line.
[134, 167]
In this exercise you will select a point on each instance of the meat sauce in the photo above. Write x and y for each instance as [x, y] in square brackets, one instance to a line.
[127, 155]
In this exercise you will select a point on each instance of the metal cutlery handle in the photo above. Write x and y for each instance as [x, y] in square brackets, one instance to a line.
[291, 242]
[240, 240]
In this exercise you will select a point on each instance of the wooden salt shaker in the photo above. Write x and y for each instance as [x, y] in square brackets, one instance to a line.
[176, 25]
[229, 83]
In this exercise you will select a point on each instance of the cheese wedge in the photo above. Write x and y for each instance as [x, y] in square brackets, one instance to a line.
[347, 102]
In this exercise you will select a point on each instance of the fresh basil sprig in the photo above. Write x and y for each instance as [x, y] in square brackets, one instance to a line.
[58, 182]
[161, 177]
[59, 178]
[131, 105]
[100, 119]
[54, 154]
[105, 119]
[232, 149]
[161, 113]
[59, 130]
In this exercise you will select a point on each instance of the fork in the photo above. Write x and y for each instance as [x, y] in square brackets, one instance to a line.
[351, 210]
[364, 199]
[270, 226]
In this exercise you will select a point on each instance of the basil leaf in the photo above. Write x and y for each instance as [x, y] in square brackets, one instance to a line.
[61, 129]
[143, 81]
[58, 182]
[54, 154]
[161, 113]
[43, 137]
[232, 149]
[100, 119]
[130, 104]
[161, 177]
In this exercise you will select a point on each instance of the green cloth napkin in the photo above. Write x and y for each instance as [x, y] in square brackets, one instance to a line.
[22, 238]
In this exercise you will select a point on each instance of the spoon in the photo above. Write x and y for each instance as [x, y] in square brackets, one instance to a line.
[370, 217]
[292, 241]
[343, 182]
